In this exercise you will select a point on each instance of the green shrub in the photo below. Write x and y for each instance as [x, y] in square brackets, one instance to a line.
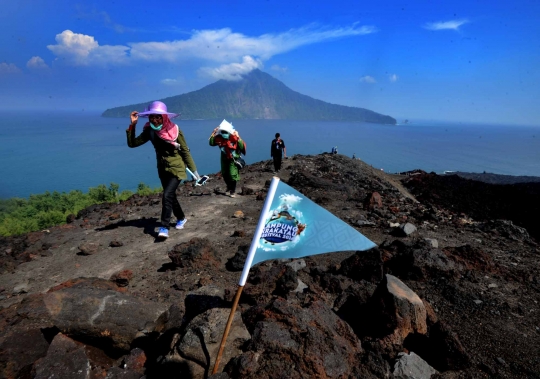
[38, 212]
[125, 194]
[145, 190]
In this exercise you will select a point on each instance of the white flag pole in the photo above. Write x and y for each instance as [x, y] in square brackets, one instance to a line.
[247, 265]
[259, 230]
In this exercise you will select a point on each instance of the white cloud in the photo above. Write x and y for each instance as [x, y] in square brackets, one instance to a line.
[36, 63]
[83, 50]
[173, 82]
[223, 45]
[9, 68]
[393, 78]
[169, 82]
[232, 71]
[278, 68]
[445, 25]
[368, 79]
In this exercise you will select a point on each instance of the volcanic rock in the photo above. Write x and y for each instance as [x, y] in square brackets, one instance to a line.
[373, 201]
[197, 253]
[405, 230]
[122, 278]
[364, 265]
[236, 263]
[297, 264]
[89, 248]
[113, 318]
[20, 346]
[203, 299]
[307, 341]
[279, 280]
[418, 261]
[397, 311]
[199, 345]
[65, 360]
[411, 366]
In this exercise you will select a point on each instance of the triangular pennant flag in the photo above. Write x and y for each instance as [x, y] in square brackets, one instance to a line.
[293, 226]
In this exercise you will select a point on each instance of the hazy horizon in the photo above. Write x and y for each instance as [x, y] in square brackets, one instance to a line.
[400, 120]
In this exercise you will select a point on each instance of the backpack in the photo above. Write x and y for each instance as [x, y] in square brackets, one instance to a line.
[239, 162]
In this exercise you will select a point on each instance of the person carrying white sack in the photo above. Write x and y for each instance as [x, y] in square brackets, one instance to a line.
[172, 155]
[231, 146]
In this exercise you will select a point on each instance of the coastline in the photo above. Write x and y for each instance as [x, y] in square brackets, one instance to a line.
[98, 154]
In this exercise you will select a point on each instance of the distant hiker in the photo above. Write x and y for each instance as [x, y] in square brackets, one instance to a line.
[353, 156]
[276, 148]
[172, 154]
[334, 150]
[231, 146]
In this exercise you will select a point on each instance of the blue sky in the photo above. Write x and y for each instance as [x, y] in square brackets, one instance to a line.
[471, 61]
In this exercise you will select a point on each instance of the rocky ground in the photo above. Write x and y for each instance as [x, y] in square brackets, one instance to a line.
[445, 294]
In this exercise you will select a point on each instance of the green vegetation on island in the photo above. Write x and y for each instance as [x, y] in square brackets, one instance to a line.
[38, 212]
[256, 96]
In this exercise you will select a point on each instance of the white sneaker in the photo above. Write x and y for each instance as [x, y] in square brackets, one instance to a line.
[180, 224]
[163, 232]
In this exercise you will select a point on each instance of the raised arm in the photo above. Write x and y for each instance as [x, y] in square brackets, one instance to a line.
[211, 140]
[133, 141]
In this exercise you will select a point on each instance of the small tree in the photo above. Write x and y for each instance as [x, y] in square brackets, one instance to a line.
[113, 190]
[143, 189]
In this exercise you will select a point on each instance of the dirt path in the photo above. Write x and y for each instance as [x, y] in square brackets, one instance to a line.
[209, 216]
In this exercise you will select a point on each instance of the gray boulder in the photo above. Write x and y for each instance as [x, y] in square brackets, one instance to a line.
[111, 317]
[203, 299]
[406, 229]
[199, 346]
[432, 242]
[397, 312]
[411, 366]
[297, 264]
[420, 261]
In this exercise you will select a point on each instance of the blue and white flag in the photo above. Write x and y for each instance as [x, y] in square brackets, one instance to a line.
[293, 226]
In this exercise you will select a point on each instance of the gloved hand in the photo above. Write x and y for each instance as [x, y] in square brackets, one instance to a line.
[200, 180]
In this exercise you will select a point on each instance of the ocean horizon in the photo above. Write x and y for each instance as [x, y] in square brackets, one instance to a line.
[64, 151]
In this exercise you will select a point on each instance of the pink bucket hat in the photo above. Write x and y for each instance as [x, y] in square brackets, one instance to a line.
[157, 107]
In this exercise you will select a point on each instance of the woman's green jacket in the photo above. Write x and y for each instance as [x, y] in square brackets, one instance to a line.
[169, 159]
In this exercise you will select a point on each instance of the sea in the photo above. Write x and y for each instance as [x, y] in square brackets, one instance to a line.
[64, 151]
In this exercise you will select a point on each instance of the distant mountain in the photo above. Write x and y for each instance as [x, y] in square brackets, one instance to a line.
[257, 96]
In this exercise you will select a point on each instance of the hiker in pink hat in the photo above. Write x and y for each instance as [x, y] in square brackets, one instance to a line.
[172, 154]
